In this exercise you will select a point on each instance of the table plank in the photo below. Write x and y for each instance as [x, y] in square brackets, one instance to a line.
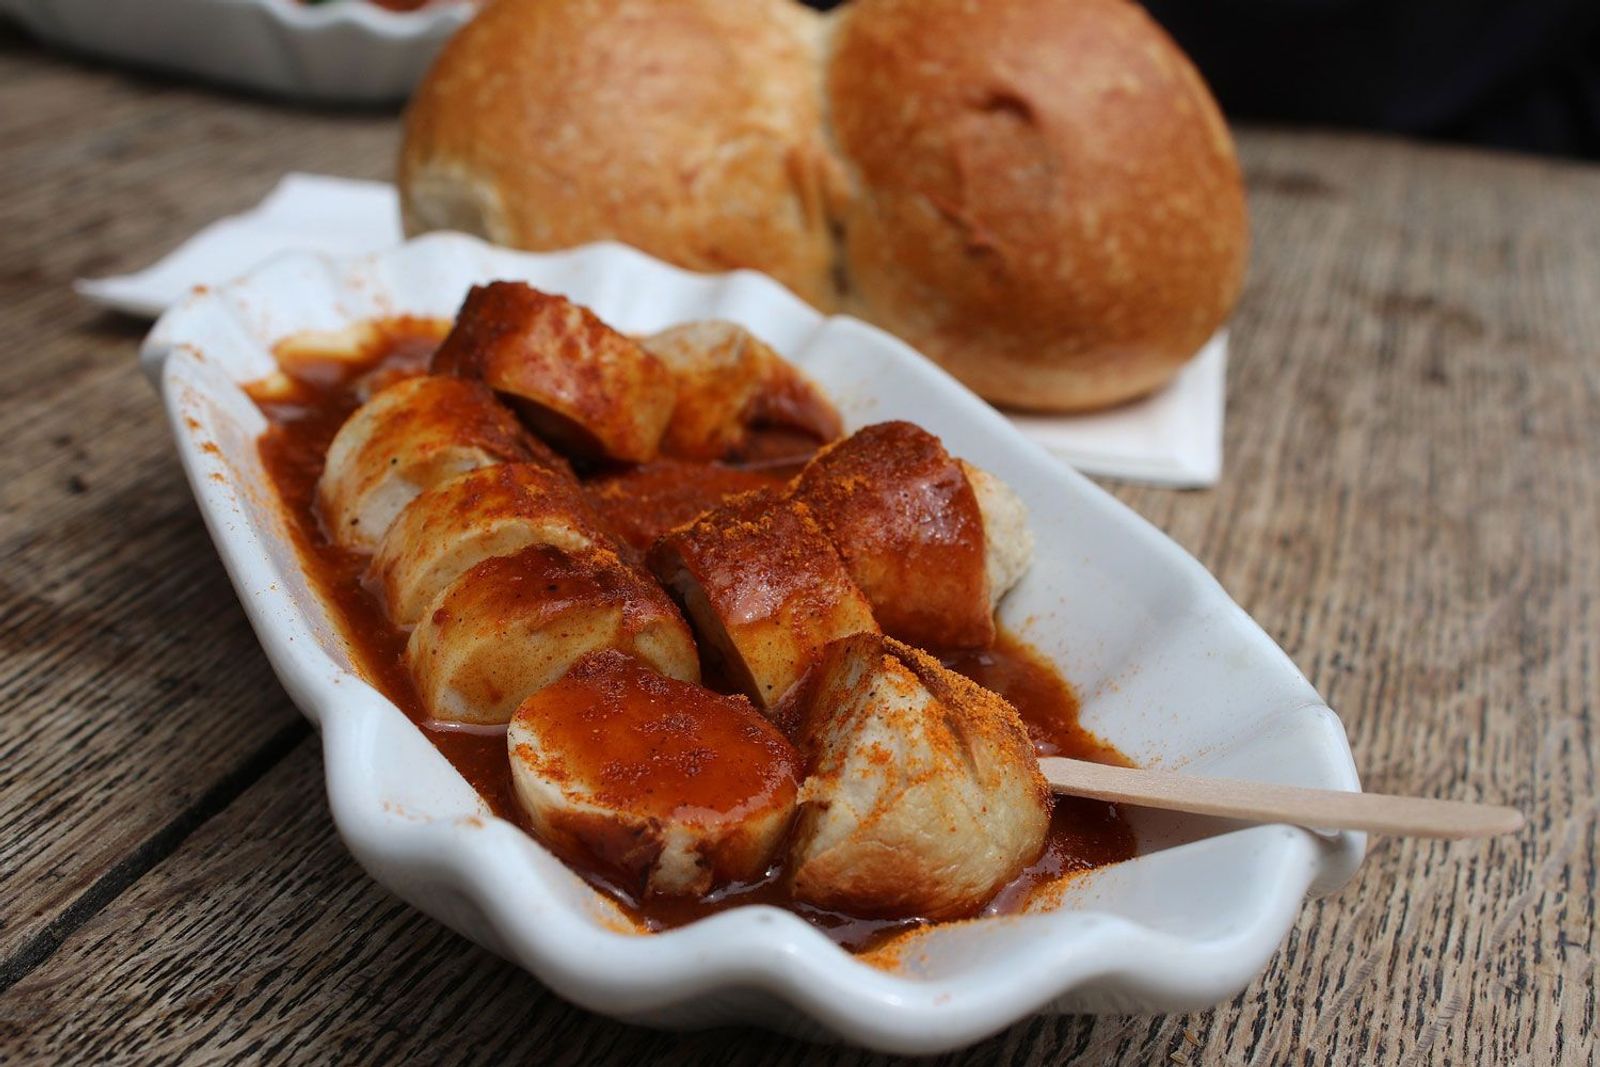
[137, 704]
[261, 939]
[1410, 502]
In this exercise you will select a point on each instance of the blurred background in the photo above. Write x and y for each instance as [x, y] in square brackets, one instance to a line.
[1513, 74]
[1518, 74]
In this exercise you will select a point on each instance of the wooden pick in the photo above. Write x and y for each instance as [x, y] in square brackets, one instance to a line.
[1323, 809]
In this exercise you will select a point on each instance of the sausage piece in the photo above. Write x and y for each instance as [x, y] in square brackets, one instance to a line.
[409, 437]
[492, 511]
[764, 589]
[672, 787]
[587, 389]
[922, 797]
[932, 541]
[513, 624]
[730, 386]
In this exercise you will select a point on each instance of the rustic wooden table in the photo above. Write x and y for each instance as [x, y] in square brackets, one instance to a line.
[1411, 506]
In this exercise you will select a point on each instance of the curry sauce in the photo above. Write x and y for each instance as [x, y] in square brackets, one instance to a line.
[305, 407]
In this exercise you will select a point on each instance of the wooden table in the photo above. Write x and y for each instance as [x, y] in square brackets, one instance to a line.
[1411, 506]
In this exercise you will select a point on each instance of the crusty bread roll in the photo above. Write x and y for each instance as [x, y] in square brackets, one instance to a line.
[1038, 194]
[687, 129]
[1047, 201]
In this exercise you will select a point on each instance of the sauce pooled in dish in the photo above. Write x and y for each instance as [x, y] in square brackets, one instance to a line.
[625, 741]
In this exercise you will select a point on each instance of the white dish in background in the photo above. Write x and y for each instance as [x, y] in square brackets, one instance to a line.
[1170, 670]
[348, 51]
[1172, 438]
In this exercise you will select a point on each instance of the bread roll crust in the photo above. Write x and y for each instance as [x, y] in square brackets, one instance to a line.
[1046, 201]
[1040, 195]
[688, 129]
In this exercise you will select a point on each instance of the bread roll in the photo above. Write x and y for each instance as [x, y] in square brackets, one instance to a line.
[1046, 199]
[688, 129]
[1038, 194]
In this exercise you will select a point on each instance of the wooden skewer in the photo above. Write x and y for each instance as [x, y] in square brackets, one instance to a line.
[1323, 809]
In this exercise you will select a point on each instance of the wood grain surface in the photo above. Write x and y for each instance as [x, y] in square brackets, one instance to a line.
[1411, 506]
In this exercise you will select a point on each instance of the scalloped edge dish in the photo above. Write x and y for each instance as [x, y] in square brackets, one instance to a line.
[1170, 670]
[349, 52]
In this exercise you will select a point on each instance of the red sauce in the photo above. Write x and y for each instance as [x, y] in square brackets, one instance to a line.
[393, 5]
[303, 420]
[1016, 670]
[651, 744]
[642, 503]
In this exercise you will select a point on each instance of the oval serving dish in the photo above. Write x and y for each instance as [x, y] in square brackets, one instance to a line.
[344, 52]
[1170, 670]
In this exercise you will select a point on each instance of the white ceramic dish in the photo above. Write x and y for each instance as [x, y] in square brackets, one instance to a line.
[1170, 669]
[344, 52]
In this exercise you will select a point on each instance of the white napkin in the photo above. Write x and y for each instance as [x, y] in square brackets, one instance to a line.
[305, 212]
[1173, 438]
